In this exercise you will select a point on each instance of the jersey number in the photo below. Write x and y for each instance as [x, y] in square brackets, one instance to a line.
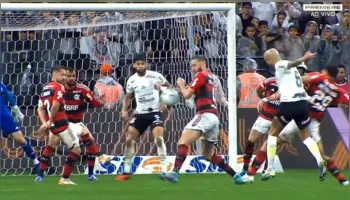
[47, 105]
[320, 100]
[298, 79]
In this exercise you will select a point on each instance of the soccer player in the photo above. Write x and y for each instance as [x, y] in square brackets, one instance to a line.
[54, 119]
[77, 98]
[323, 92]
[204, 125]
[293, 106]
[8, 124]
[146, 86]
[263, 122]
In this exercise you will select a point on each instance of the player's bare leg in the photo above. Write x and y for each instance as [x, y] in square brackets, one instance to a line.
[158, 134]
[46, 155]
[314, 150]
[129, 153]
[72, 157]
[92, 152]
[249, 148]
[331, 166]
[187, 138]
[18, 137]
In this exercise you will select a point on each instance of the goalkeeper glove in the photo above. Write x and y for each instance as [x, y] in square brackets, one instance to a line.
[17, 114]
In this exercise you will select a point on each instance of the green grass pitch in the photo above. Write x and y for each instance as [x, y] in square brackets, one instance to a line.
[291, 185]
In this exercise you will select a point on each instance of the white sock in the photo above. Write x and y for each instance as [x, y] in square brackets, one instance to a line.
[129, 155]
[271, 151]
[161, 150]
[314, 150]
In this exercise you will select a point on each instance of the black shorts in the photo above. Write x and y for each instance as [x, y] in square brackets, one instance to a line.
[142, 121]
[297, 111]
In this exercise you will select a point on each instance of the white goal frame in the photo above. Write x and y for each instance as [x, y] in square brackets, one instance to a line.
[230, 8]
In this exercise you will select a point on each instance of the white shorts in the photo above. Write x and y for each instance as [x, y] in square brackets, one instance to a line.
[262, 125]
[292, 129]
[208, 123]
[71, 135]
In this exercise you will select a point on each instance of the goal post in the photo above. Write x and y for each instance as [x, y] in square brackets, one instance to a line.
[228, 8]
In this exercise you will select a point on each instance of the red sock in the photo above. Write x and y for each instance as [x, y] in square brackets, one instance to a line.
[248, 153]
[182, 151]
[91, 164]
[91, 146]
[217, 160]
[334, 170]
[259, 159]
[45, 157]
[69, 165]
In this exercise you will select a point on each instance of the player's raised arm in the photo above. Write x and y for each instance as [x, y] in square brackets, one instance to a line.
[56, 103]
[308, 56]
[91, 99]
[41, 112]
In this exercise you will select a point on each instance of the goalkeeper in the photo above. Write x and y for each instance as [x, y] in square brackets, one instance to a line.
[8, 124]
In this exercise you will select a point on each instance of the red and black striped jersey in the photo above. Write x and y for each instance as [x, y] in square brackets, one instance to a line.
[203, 87]
[324, 93]
[77, 101]
[54, 92]
[269, 109]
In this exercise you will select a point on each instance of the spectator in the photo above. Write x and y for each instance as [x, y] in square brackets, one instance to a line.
[248, 83]
[311, 39]
[276, 41]
[343, 27]
[342, 79]
[256, 21]
[249, 46]
[108, 89]
[292, 44]
[264, 11]
[264, 36]
[292, 9]
[345, 52]
[327, 49]
[279, 21]
[346, 6]
[246, 15]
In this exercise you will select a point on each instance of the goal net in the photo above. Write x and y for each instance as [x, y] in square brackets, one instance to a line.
[32, 41]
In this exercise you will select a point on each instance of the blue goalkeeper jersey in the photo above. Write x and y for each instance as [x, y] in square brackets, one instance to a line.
[7, 123]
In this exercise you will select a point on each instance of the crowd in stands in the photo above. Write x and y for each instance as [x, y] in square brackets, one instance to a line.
[31, 43]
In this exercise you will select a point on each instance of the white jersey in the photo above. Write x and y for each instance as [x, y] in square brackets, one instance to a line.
[146, 94]
[289, 82]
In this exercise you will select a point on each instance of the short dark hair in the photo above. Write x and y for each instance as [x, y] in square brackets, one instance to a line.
[58, 68]
[251, 25]
[293, 27]
[140, 57]
[69, 69]
[200, 58]
[332, 71]
[341, 66]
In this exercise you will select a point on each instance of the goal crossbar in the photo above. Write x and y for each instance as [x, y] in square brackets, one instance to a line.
[230, 8]
[117, 7]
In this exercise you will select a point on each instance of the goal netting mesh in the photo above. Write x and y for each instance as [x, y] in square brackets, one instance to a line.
[33, 42]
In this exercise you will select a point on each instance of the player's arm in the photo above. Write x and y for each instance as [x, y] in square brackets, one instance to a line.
[308, 55]
[220, 94]
[275, 96]
[344, 100]
[261, 90]
[16, 112]
[41, 112]
[9, 96]
[91, 99]
[127, 99]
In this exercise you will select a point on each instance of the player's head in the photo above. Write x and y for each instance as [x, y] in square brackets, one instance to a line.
[331, 71]
[58, 73]
[71, 77]
[341, 73]
[249, 65]
[198, 63]
[140, 64]
[302, 68]
[272, 56]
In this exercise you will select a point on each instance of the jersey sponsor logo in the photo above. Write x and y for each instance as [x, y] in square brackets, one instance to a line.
[77, 97]
[71, 107]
